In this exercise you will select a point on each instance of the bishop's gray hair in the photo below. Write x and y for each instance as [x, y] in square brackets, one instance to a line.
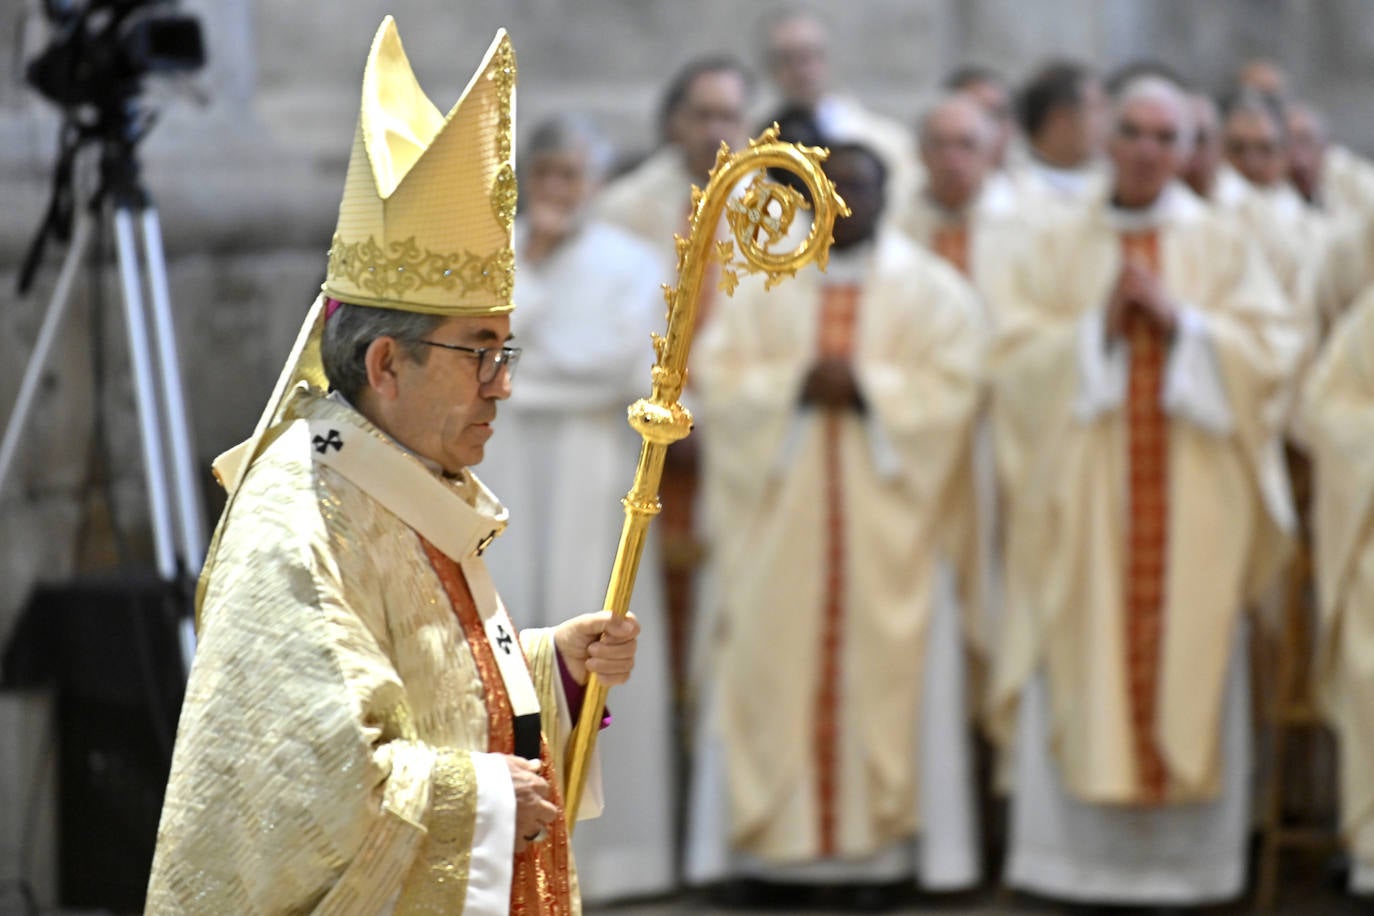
[567, 132]
[351, 328]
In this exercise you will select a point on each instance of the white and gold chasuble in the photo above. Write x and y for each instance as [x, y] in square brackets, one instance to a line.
[341, 743]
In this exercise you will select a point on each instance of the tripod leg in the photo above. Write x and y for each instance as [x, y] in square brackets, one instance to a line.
[145, 393]
[47, 336]
[190, 514]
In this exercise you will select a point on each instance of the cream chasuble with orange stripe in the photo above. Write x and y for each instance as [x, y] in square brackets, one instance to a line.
[829, 543]
[1147, 503]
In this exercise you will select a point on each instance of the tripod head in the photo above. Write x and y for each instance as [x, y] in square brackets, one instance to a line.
[94, 69]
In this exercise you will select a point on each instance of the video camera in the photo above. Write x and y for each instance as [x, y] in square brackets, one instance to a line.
[104, 48]
[94, 69]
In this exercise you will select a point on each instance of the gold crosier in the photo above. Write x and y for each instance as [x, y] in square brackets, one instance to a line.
[758, 218]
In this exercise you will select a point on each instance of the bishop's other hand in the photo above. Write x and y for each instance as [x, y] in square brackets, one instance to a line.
[600, 644]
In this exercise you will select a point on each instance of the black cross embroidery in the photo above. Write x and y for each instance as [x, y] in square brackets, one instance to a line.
[503, 639]
[322, 443]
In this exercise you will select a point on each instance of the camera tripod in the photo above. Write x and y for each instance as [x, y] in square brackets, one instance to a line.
[175, 510]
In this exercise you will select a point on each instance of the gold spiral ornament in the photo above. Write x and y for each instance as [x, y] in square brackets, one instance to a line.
[759, 218]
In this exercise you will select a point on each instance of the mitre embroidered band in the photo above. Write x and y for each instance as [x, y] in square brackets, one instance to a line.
[429, 202]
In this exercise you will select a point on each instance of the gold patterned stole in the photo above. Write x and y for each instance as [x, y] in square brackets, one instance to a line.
[542, 879]
[1147, 432]
[951, 243]
[839, 314]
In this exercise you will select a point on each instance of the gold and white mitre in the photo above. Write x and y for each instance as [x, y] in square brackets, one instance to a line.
[429, 202]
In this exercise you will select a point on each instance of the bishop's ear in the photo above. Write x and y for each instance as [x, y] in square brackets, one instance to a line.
[381, 359]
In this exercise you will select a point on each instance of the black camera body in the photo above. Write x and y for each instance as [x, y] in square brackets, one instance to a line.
[104, 48]
[93, 68]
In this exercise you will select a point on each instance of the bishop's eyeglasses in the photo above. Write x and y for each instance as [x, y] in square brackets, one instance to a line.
[489, 359]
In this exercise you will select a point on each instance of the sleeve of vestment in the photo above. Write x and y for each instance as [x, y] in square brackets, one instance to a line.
[1257, 342]
[1336, 426]
[921, 381]
[920, 369]
[1043, 358]
[748, 366]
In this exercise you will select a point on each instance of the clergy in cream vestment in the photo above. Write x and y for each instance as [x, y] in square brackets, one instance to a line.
[1330, 177]
[834, 725]
[1061, 109]
[1336, 424]
[1292, 234]
[1142, 360]
[973, 223]
[796, 56]
[366, 730]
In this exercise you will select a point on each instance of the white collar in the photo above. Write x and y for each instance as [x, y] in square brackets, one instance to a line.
[338, 398]
[1170, 203]
[457, 514]
[463, 482]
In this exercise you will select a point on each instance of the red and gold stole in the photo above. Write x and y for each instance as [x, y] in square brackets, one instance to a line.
[1147, 434]
[950, 242]
[542, 880]
[839, 315]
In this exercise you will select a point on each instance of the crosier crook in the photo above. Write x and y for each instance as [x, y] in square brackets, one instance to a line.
[765, 210]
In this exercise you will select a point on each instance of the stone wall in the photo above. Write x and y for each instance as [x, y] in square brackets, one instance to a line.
[248, 176]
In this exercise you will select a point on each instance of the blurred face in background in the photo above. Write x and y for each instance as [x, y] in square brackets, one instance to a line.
[556, 187]
[1254, 147]
[1306, 149]
[995, 101]
[712, 110]
[1146, 148]
[859, 179]
[1200, 168]
[1095, 119]
[798, 60]
[1072, 135]
[957, 140]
